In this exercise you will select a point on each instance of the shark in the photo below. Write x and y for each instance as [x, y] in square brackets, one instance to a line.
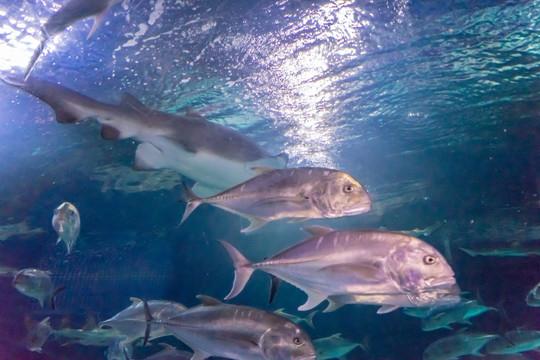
[214, 156]
[71, 12]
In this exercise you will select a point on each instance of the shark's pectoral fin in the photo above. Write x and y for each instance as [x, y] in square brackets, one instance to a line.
[109, 132]
[387, 308]
[148, 157]
[200, 355]
[332, 306]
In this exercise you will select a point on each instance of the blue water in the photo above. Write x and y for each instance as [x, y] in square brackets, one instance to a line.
[433, 105]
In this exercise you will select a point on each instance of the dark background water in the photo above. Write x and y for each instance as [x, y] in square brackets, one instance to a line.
[433, 105]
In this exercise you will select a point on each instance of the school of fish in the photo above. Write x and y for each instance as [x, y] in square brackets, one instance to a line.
[232, 172]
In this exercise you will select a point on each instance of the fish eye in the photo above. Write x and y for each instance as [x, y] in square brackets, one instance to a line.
[430, 259]
[297, 341]
[348, 188]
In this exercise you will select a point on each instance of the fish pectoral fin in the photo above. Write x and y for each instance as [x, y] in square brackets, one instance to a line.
[255, 224]
[317, 230]
[98, 19]
[332, 305]
[313, 300]
[387, 308]
[59, 239]
[357, 273]
[200, 355]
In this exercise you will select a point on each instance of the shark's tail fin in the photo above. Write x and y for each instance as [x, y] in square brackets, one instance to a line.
[242, 269]
[148, 317]
[193, 201]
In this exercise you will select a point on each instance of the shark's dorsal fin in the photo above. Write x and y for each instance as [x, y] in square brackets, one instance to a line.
[208, 300]
[317, 230]
[131, 102]
[194, 115]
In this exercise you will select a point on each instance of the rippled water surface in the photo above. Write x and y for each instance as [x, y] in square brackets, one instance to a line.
[433, 105]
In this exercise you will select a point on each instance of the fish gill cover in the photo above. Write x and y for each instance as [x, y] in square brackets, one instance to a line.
[433, 106]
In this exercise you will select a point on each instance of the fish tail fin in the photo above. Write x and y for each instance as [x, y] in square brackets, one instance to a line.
[148, 317]
[242, 269]
[53, 296]
[309, 318]
[193, 201]
[37, 53]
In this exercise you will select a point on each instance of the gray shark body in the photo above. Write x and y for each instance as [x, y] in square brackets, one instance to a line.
[214, 156]
[71, 12]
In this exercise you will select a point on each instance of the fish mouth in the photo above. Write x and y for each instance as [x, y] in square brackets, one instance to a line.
[358, 208]
[447, 283]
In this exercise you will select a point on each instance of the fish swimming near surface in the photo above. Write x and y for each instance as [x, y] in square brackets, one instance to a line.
[38, 334]
[37, 284]
[455, 346]
[214, 156]
[71, 12]
[237, 332]
[301, 193]
[132, 320]
[334, 347]
[66, 222]
[357, 267]
[533, 297]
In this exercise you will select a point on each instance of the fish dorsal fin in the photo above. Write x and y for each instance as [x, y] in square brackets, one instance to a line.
[135, 301]
[131, 102]
[317, 230]
[262, 169]
[208, 300]
[387, 308]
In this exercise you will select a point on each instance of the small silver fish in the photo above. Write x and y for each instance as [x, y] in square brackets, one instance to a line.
[132, 321]
[38, 335]
[514, 342]
[237, 332]
[533, 297]
[334, 347]
[514, 249]
[357, 267]
[37, 284]
[20, 229]
[442, 317]
[455, 346]
[298, 319]
[66, 222]
[68, 14]
[301, 193]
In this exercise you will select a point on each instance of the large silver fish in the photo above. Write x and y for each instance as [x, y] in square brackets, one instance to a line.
[334, 347]
[357, 267]
[132, 320]
[68, 14]
[37, 284]
[211, 154]
[301, 193]
[66, 222]
[237, 332]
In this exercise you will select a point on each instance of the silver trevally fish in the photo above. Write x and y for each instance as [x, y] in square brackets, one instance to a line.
[214, 156]
[455, 346]
[334, 347]
[132, 320]
[38, 334]
[37, 284]
[357, 267]
[533, 297]
[442, 317]
[66, 222]
[68, 14]
[237, 332]
[302, 193]
[514, 342]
